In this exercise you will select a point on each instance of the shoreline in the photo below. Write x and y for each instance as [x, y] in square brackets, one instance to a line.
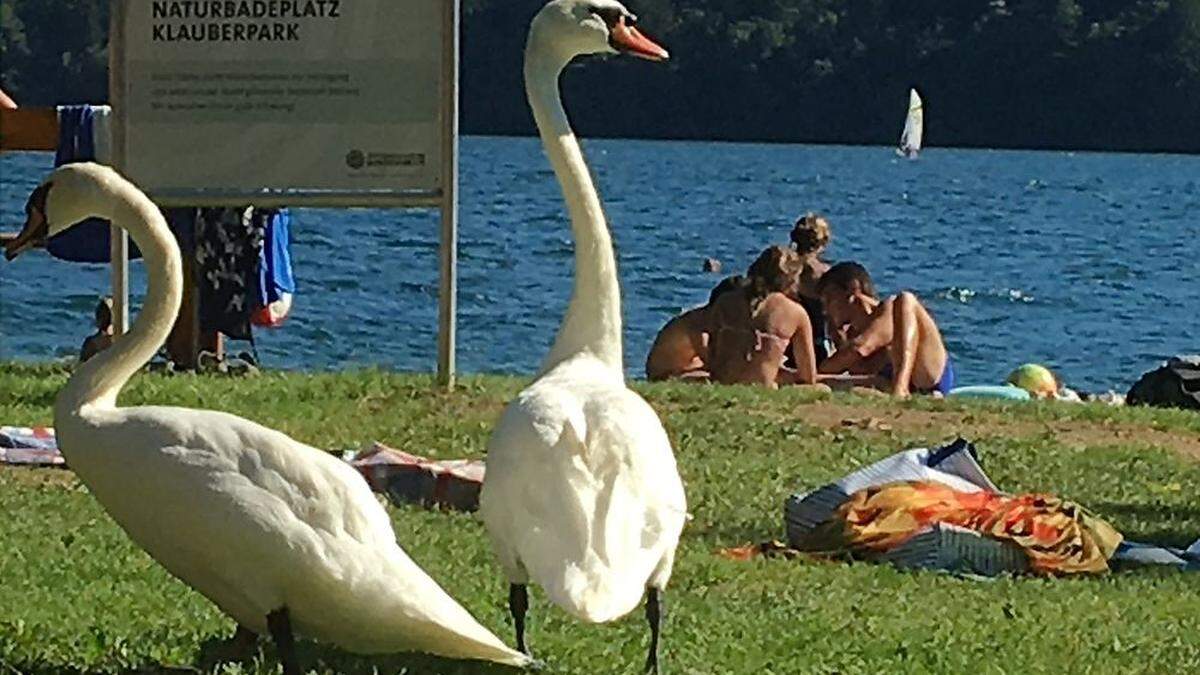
[877, 416]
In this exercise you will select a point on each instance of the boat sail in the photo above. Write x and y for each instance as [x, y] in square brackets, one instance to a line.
[914, 127]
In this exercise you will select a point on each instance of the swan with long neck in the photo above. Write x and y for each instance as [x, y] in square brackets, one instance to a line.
[278, 534]
[582, 495]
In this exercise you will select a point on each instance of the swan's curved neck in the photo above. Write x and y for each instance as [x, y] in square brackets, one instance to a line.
[593, 321]
[98, 381]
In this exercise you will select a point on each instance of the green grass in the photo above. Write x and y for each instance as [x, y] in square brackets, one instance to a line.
[75, 595]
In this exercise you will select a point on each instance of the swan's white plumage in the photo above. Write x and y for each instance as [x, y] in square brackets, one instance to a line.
[582, 494]
[250, 518]
[254, 521]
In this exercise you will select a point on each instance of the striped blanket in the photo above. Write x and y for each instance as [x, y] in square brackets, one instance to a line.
[412, 479]
[29, 446]
[405, 478]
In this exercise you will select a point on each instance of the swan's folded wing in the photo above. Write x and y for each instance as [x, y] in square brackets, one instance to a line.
[585, 498]
[274, 471]
[256, 521]
[649, 489]
[233, 488]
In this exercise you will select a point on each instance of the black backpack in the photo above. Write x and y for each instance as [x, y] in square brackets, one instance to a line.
[1175, 385]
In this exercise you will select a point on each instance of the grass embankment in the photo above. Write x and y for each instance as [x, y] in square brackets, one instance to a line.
[75, 594]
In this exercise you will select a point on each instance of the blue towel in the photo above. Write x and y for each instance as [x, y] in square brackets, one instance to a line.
[275, 262]
[88, 241]
[1137, 553]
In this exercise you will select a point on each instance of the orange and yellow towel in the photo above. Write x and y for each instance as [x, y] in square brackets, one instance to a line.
[1059, 536]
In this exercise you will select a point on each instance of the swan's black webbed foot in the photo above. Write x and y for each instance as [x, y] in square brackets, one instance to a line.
[654, 618]
[241, 646]
[280, 626]
[518, 604]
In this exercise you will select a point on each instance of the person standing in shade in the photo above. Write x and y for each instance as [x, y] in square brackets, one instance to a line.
[103, 337]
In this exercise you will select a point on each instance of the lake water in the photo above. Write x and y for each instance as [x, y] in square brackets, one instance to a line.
[1089, 263]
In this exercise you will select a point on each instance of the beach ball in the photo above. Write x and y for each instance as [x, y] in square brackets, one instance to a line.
[1035, 379]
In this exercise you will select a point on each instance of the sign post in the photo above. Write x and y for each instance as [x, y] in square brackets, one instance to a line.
[322, 103]
[448, 251]
[118, 239]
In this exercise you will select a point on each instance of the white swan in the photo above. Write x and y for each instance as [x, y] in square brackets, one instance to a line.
[276, 533]
[582, 494]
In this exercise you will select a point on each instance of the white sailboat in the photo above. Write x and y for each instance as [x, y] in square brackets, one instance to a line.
[914, 127]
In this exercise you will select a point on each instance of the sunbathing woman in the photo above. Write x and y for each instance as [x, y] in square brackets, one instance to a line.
[681, 349]
[895, 340]
[754, 326]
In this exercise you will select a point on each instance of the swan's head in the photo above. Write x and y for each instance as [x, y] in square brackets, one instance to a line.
[570, 28]
[67, 197]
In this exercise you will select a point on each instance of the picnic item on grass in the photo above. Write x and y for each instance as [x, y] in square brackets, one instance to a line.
[1174, 385]
[937, 509]
[29, 446]
[1056, 536]
[1006, 392]
[411, 479]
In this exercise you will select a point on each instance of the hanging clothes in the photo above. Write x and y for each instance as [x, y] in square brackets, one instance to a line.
[229, 243]
[240, 280]
[276, 285]
[83, 136]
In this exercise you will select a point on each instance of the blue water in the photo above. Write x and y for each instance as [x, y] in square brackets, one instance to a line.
[1086, 262]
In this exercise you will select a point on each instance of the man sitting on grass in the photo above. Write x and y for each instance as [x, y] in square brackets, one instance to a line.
[681, 349]
[895, 340]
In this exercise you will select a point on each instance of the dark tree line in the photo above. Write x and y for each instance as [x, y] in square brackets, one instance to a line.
[1086, 74]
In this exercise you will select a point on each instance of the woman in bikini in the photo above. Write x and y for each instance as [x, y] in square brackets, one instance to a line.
[753, 327]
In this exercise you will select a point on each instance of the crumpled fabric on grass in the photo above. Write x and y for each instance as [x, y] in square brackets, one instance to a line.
[411, 479]
[1058, 536]
[29, 446]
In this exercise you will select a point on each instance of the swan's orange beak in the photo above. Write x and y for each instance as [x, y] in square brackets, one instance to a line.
[628, 40]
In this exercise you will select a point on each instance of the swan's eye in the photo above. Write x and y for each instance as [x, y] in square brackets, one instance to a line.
[612, 15]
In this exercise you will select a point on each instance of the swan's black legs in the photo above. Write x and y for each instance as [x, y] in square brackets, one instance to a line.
[280, 626]
[654, 618]
[237, 648]
[518, 604]
[242, 643]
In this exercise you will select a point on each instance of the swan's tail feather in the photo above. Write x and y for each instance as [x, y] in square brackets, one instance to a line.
[496, 652]
[451, 631]
[595, 598]
[461, 637]
[414, 613]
